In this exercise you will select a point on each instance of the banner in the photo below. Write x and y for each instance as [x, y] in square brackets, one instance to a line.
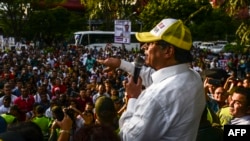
[122, 31]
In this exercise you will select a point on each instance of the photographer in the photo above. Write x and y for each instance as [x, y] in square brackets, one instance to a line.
[231, 82]
[217, 102]
[103, 129]
[218, 94]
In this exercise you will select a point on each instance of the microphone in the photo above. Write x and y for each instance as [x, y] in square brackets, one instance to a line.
[138, 64]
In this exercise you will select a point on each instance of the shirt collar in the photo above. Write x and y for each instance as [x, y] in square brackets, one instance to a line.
[166, 72]
[244, 119]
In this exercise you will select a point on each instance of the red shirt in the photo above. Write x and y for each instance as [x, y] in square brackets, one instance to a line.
[82, 103]
[25, 105]
[62, 89]
[11, 75]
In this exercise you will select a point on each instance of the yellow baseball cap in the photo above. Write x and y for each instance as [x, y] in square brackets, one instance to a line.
[170, 30]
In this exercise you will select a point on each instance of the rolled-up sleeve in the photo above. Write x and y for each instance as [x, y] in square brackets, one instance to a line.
[145, 72]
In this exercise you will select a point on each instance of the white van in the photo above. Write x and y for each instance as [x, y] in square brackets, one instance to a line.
[207, 45]
[100, 39]
[196, 44]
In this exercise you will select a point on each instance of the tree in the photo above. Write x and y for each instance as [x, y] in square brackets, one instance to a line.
[204, 21]
[48, 25]
[14, 16]
[213, 27]
[187, 10]
[238, 9]
[108, 10]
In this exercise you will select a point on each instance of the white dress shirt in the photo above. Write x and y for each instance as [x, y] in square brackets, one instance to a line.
[37, 97]
[4, 109]
[144, 73]
[13, 98]
[245, 120]
[168, 110]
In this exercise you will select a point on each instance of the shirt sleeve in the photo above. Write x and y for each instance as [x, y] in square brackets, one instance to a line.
[145, 72]
[136, 122]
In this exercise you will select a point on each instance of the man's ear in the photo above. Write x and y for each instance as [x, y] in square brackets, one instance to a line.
[169, 51]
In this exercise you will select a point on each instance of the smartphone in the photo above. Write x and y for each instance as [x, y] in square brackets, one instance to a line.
[216, 82]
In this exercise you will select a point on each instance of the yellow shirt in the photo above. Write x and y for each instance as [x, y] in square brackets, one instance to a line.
[224, 115]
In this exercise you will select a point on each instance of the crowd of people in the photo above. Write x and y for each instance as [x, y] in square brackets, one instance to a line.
[81, 94]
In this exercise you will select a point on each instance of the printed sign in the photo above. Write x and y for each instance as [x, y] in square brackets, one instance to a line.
[122, 31]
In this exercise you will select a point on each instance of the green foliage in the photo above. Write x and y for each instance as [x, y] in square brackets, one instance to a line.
[216, 26]
[186, 10]
[235, 48]
[243, 32]
[76, 22]
[15, 17]
[107, 10]
[204, 22]
[49, 24]
[42, 23]
[233, 7]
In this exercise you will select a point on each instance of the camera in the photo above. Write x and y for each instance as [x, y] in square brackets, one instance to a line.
[59, 115]
[215, 82]
[70, 112]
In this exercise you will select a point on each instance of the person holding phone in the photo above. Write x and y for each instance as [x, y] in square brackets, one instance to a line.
[216, 94]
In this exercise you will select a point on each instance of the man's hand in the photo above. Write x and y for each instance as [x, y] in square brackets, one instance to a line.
[66, 123]
[110, 63]
[134, 90]
[54, 125]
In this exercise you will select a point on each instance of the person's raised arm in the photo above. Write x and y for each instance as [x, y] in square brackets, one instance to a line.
[65, 126]
[208, 88]
[113, 63]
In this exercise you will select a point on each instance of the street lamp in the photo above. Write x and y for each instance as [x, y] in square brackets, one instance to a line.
[127, 18]
[139, 22]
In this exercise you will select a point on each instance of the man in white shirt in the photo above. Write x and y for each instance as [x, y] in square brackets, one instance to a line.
[101, 92]
[170, 107]
[5, 108]
[240, 106]
[37, 96]
[7, 91]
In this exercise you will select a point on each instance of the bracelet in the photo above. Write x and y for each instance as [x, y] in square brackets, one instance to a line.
[64, 131]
